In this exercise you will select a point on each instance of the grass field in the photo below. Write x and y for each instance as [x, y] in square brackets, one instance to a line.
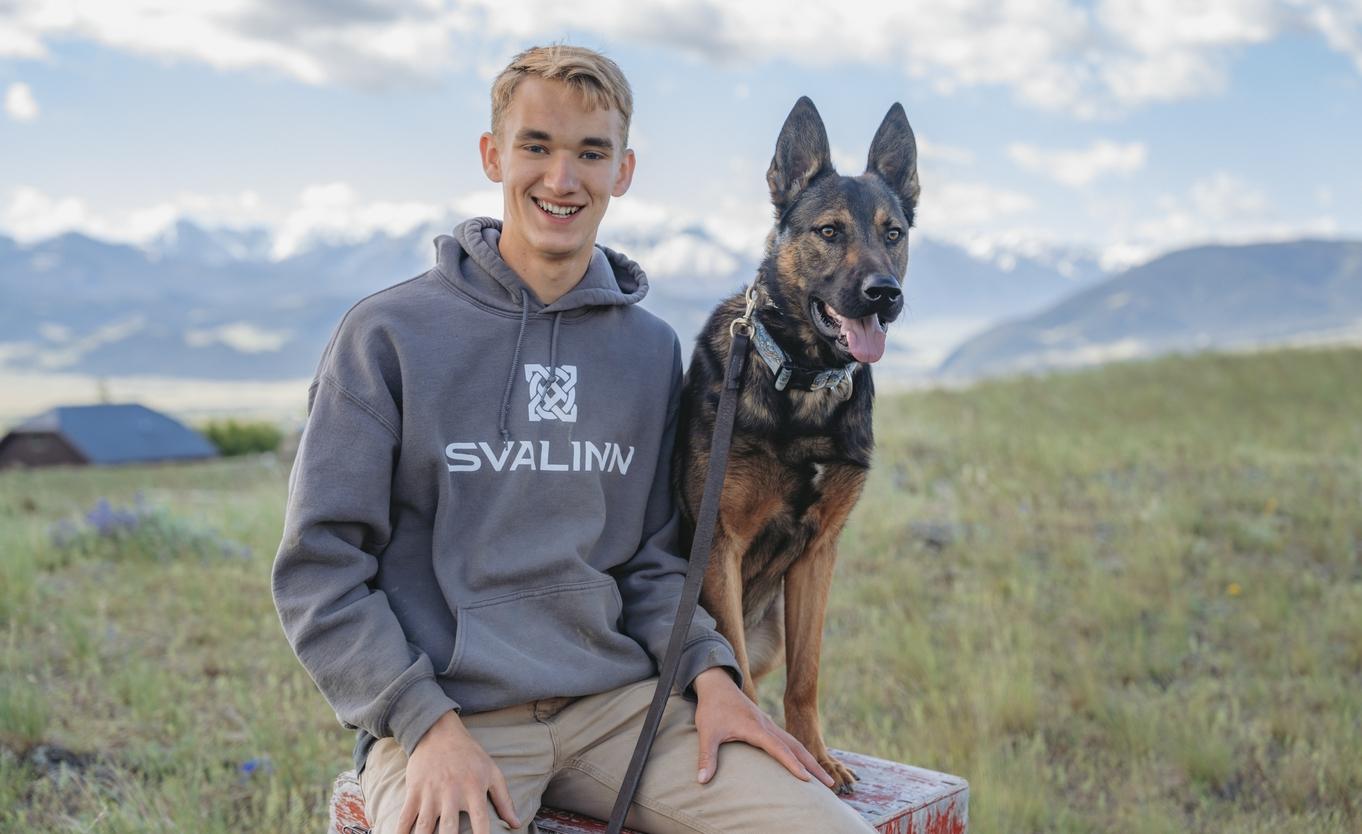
[1120, 600]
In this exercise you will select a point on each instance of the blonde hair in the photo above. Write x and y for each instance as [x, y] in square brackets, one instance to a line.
[595, 77]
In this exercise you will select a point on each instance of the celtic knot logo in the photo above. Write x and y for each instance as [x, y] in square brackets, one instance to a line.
[552, 399]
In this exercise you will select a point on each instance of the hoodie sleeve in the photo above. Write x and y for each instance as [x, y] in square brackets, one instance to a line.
[650, 582]
[336, 526]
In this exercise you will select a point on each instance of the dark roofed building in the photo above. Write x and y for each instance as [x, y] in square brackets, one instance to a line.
[101, 434]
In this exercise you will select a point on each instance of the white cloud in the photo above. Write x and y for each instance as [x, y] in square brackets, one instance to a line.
[1168, 50]
[351, 43]
[333, 212]
[930, 150]
[54, 332]
[955, 208]
[1079, 167]
[20, 103]
[1220, 208]
[71, 352]
[740, 225]
[846, 162]
[1054, 54]
[32, 215]
[1223, 198]
[1341, 26]
[241, 336]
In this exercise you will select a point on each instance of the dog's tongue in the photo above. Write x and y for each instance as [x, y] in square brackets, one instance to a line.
[865, 338]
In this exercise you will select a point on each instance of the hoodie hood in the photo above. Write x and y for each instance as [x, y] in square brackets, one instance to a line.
[470, 260]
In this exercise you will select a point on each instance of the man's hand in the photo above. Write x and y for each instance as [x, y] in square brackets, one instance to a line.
[449, 773]
[724, 713]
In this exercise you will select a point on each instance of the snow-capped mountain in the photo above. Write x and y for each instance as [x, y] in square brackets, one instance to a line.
[215, 303]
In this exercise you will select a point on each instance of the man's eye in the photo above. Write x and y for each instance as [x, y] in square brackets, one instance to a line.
[535, 148]
[893, 235]
[593, 155]
[828, 232]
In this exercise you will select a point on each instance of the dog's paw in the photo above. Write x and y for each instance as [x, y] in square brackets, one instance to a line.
[843, 777]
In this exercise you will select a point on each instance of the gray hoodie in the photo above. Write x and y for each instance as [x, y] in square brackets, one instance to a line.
[479, 512]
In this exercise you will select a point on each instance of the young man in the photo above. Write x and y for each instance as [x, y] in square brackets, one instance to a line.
[479, 563]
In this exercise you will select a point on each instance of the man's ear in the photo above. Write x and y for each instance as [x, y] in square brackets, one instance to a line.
[491, 157]
[626, 174]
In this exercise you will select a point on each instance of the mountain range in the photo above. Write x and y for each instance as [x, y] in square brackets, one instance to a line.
[1220, 297]
[212, 303]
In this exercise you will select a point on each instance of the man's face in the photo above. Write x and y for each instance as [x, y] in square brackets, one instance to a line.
[558, 164]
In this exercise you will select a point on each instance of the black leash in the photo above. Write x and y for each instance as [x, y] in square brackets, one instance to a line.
[741, 331]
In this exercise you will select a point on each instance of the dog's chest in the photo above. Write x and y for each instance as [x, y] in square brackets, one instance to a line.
[817, 408]
[801, 492]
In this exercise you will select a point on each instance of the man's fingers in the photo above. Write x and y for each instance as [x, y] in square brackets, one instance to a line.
[449, 819]
[425, 820]
[809, 761]
[477, 816]
[501, 798]
[779, 751]
[407, 818]
[709, 757]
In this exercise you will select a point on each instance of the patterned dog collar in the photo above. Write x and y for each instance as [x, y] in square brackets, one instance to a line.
[789, 375]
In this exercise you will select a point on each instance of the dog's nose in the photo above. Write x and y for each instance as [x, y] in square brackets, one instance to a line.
[881, 289]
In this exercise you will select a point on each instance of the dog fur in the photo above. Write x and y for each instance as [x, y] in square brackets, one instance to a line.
[799, 457]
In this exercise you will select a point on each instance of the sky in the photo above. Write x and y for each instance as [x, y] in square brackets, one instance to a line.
[1125, 127]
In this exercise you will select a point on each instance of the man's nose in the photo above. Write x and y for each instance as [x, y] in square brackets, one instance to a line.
[561, 176]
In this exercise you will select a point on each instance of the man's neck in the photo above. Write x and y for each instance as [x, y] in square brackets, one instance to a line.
[548, 278]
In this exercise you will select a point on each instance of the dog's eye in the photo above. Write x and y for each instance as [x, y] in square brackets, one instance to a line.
[893, 235]
[828, 232]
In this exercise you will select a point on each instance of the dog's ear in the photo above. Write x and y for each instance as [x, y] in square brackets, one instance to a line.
[893, 157]
[802, 154]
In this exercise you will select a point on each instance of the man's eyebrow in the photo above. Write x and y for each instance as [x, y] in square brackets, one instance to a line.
[598, 142]
[530, 135]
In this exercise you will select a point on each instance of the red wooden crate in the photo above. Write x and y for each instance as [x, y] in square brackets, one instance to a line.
[895, 798]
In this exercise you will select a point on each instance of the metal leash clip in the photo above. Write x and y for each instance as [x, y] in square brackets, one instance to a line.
[745, 321]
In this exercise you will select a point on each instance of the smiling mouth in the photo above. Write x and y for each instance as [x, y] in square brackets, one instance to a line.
[556, 210]
[863, 338]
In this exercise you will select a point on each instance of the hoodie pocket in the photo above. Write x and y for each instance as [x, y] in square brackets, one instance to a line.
[563, 639]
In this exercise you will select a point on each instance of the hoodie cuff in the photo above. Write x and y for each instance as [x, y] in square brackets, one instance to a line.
[700, 656]
[416, 710]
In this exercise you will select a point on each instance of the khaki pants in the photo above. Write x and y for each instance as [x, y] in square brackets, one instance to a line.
[571, 753]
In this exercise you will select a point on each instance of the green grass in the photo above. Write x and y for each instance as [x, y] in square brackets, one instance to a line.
[1120, 600]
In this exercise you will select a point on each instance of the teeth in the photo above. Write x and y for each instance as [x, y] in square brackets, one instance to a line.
[560, 211]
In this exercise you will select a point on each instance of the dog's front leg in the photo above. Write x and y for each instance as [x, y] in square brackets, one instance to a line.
[806, 603]
[722, 598]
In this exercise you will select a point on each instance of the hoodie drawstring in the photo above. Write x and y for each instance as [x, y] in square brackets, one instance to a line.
[553, 349]
[515, 363]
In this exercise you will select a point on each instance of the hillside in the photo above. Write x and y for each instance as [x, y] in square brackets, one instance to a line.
[1218, 297]
[1123, 599]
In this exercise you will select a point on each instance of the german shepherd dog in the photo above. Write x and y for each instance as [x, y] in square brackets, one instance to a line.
[827, 289]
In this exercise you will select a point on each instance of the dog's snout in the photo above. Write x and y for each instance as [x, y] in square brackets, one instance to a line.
[881, 289]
